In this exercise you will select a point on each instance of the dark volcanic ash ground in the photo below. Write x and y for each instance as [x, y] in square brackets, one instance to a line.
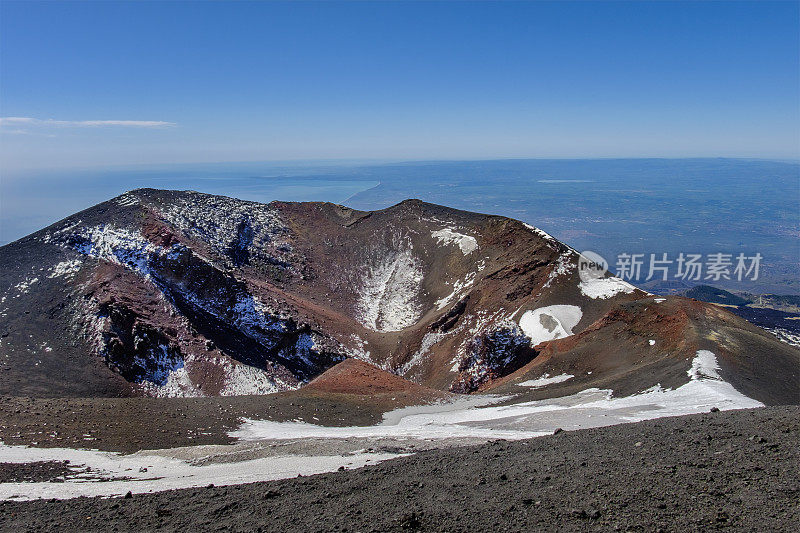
[735, 470]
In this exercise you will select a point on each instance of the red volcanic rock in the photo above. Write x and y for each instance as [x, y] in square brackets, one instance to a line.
[352, 376]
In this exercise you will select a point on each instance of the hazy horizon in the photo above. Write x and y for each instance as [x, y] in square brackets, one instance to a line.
[606, 205]
[350, 162]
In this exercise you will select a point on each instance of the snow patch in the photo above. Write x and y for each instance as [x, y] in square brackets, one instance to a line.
[252, 316]
[785, 335]
[127, 200]
[66, 269]
[247, 314]
[551, 322]
[244, 379]
[117, 245]
[153, 471]
[605, 287]
[491, 354]
[545, 380]
[160, 363]
[25, 285]
[233, 228]
[357, 349]
[176, 385]
[466, 243]
[543, 234]
[704, 366]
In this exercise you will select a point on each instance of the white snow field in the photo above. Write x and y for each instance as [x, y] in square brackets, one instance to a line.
[470, 419]
[388, 296]
[466, 243]
[604, 288]
[153, 471]
[551, 322]
[473, 417]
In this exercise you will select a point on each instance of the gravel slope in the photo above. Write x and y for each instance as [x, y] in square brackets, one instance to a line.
[736, 470]
[128, 425]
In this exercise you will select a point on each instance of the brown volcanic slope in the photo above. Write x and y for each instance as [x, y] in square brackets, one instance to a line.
[352, 376]
[179, 293]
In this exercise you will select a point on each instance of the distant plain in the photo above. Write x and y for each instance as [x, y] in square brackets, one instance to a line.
[610, 206]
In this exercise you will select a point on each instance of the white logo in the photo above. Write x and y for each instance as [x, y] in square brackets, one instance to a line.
[591, 266]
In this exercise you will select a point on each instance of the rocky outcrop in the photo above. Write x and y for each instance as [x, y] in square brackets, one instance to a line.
[491, 355]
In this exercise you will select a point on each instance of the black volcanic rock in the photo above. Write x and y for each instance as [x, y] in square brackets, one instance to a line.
[493, 354]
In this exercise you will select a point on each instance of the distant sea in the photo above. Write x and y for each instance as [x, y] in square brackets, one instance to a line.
[36, 200]
[609, 206]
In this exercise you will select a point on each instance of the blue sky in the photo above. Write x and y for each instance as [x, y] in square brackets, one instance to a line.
[98, 84]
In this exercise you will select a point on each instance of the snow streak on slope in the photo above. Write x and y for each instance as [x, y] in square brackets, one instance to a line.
[430, 339]
[459, 289]
[545, 380]
[387, 300]
[541, 233]
[704, 366]
[564, 265]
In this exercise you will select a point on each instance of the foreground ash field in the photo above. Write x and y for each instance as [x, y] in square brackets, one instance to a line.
[169, 340]
[731, 470]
